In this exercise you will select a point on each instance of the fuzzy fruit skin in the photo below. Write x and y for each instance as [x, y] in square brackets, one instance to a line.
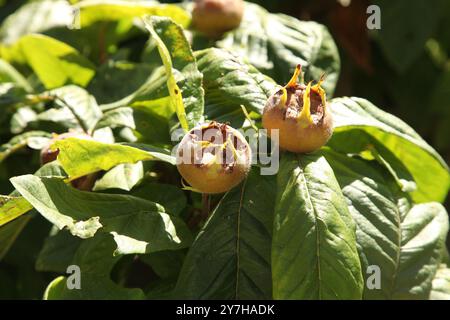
[292, 136]
[214, 178]
[215, 17]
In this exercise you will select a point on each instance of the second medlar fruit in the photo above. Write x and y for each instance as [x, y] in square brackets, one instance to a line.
[301, 114]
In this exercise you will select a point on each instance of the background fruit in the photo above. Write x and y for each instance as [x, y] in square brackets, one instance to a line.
[214, 17]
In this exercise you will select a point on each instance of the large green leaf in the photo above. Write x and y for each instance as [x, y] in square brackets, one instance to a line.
[80, 157]
[35, 17]
[276, 43]
[314, 253]
[138, 225]
[229, 83]
[91, 11]
[54, 62]
[184, 81]
[95, 259]
[402, 239]
[359, 124]
[230, 258]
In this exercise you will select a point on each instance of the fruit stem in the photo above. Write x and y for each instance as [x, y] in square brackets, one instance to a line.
[293, 82]
[304, 117]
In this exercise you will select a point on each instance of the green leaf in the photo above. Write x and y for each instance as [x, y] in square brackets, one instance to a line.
[95, 259]
[170, 197]
[119, 117]
[32, 139]
[149, 124]
[166, 264]
[10, 232]
[441, 284]
[116, 80]
[314, 253]
[12, 207]
[58, 251]
[138, 226]
[404, 240]
[123, 176]
[184, 81]
[53, 61]
[355, 119]
[276, 43]
[35, 17]
[80, 157]
[21, 119]
[229, 83]
[91, 11]
[9, 74]
[399, 29]
[79, 103]
[11, 94]
[230, 258]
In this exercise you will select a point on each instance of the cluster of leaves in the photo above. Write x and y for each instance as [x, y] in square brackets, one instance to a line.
[371, 197]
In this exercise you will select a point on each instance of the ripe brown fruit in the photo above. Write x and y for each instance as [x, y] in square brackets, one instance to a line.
[301, 114]
[213, 158]
[215, 17]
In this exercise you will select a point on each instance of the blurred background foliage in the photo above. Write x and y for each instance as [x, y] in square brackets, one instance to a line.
[403, 68]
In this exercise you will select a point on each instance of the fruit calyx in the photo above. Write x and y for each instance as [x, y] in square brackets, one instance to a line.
[305, 103]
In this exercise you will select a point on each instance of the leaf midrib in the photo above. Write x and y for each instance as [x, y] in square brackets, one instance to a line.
[238, 237]
[316, 218]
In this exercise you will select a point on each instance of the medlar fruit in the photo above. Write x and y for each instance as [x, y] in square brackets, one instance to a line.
[215, 17]
[213, 158]
[301, 115]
